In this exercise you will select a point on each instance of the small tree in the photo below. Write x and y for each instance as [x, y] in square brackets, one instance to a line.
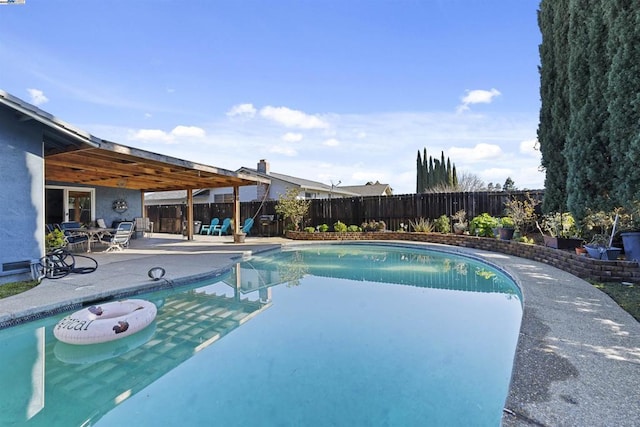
[292, 208]
[522, 212]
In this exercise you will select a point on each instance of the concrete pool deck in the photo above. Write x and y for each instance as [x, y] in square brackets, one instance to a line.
[578, 357]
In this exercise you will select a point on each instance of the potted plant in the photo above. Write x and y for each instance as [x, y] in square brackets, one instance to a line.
[630, 232]
[460, 221]
[506, 228]
[600, 245]
[559, 231]
[599, 248]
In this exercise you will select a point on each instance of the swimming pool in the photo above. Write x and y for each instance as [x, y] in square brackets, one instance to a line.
[341, 334]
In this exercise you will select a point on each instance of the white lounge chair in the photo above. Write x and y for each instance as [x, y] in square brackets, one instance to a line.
[120, 238]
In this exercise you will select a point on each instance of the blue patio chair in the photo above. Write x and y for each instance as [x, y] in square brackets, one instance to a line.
[246, 228]
[222, 228]
[72, 235]
[207, 229]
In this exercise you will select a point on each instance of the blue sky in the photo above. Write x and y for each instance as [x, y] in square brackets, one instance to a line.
[326, 90]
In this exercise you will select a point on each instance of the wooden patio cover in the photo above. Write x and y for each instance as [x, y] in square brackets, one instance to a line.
[114, 165]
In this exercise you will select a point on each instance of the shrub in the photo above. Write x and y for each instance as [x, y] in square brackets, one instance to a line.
[54, 240]
[340, 227]
[353, 229]
[525, 239]
[483, 225]
[374, 226]
[507, 222]
[422, 225]
[442, 224]
[563, 225]
[523, 212]
[323, 228]
[460, 216]
[310, 229]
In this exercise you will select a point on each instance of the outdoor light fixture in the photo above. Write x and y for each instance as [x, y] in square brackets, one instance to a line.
[156, 273]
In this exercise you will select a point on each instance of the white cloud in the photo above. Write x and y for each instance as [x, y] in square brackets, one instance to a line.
[188, 131]
[478, 153]
[497, 175]
[530, 148]
[331, 142]
[247, 110]
[150, 135]
[292, 118]
[160, 135]
[362, 177]
[37, 97]
[292, 137]
[286, 151]
[478, 96]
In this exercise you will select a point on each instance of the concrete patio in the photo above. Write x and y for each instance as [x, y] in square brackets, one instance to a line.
[578, 356]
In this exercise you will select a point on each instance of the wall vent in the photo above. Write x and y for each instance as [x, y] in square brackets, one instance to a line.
[18, 265]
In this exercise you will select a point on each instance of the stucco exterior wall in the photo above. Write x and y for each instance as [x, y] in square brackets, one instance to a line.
[21, 196]
[104, 204]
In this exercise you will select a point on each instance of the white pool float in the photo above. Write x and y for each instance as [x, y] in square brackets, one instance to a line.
[105, 322]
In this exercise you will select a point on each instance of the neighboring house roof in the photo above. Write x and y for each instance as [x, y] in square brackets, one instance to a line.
[370, 189]
[304, 184]
[172, 197]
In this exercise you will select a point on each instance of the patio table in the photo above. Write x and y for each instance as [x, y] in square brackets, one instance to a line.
[93, 234]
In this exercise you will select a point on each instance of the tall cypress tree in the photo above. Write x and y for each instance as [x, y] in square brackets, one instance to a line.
[554, 95]
[420, 174]
[623, 98]
[587, 149]
[434, 173]
[591, 47]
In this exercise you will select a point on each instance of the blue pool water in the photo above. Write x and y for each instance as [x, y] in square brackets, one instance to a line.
[332, 335]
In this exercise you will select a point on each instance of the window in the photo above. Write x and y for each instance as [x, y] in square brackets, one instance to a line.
[223, 198]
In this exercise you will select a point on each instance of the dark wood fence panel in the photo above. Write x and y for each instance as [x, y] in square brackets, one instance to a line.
[393, 210]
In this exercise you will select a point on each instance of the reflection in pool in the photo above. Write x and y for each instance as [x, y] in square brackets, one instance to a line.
[343, 334]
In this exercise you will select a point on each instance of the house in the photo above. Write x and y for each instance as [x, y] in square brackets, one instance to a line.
[370, 189]
[53, 172]
[278, 184]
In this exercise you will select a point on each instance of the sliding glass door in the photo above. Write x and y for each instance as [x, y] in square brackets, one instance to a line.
[69, 204]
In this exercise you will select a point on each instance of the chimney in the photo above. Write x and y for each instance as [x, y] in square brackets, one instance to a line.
[263, 166]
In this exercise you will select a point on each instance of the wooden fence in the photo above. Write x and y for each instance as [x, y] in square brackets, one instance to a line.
[393, 210]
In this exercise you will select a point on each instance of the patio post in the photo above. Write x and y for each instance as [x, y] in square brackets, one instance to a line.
[189, 214]
[236, 214]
